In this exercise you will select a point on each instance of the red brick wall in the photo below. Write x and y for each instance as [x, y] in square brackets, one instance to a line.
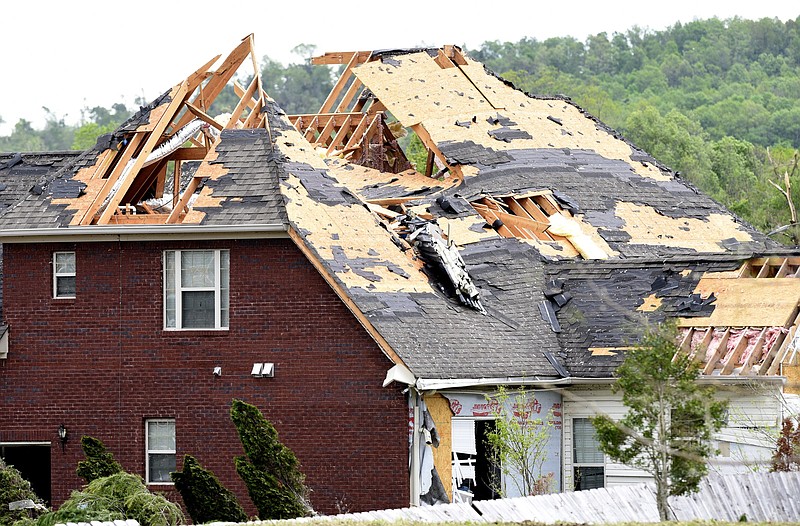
[102, 364]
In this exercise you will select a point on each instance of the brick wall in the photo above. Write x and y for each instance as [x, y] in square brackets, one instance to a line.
[101, 364]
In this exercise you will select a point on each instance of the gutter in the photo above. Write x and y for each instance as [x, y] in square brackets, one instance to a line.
[143, 232]
[434, 384]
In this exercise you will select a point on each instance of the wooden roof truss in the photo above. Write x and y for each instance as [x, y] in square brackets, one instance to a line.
[128, 168]
[352, 121]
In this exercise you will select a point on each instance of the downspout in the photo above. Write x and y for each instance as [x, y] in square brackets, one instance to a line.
[415, 460]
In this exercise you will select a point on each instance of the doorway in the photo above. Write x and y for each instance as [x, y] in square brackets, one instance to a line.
[33, 462]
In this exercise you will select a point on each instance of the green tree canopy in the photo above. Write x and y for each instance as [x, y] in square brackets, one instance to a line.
[670, 418]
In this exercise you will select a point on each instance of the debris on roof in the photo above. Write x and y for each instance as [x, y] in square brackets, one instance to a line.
[534, 242]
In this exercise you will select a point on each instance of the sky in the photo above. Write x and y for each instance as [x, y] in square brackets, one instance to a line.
[69, 55]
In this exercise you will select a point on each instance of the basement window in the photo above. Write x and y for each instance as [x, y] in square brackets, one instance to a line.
[196, 289]
[160, 450]
[63, 275]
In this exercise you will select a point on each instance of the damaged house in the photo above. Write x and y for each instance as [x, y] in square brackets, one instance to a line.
[301, 263]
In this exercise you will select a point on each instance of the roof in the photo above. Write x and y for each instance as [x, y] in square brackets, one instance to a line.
[535, 243]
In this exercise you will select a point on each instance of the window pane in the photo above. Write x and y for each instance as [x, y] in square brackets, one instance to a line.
[197, 268]
[161, 436]
[224, 277]
[588, 478]
[197, 310]
[65, 262]
[169, 288]
[160, 467]
[587, 448]
[65, 286]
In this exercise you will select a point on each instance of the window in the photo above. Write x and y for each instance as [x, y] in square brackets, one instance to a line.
[160, 446]
[63, 274]
[588, 460]
[196, 289]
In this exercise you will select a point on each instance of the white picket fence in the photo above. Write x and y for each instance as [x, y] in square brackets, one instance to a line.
[771, 497]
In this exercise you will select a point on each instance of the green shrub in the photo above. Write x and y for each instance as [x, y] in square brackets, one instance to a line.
[206, 499]
[119, 496]
[13, 487]
[270, 470]
[99, 462]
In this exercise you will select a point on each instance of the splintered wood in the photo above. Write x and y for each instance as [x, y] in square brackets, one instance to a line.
[136, 167]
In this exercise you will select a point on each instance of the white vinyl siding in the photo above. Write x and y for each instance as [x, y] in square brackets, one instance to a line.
[196, 289]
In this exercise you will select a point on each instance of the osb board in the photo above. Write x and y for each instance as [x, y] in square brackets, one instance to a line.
[792, 374]
[575, 132]
[356, 231]
[466, 230]
[419, 88]
[650, 304]
[439, 408]
[747, 302]
[357, 178]
[647, 227]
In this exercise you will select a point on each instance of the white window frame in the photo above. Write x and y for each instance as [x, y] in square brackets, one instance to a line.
[577, 465]
[57, 275]
[178, 289]
[148, 451]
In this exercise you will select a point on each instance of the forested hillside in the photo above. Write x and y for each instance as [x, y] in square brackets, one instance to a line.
[716, 100]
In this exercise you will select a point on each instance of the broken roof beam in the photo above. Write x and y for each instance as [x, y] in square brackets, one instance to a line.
[355, 59]
[127, 155]
[178, 94]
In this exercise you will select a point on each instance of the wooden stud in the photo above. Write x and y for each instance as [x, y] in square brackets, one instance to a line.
[130, 149]
[218, 80]
[733, 358]
[783, 270]
[764, 272]
[184, 200]
[358, 133]
[686, 342]
[347, 98]
[700, 352]
[161, 179]
[326, 133]
[243, 103]
[329, 102]
[777, 357]
[151, 142]
[340, 136]
[200, 114]
[719, 352]
[757, 348]
[547, 204]
[443, 60]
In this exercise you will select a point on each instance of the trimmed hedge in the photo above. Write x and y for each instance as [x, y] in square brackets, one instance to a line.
[99, 462]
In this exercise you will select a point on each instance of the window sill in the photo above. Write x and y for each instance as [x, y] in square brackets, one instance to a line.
[195, 332]
[61, 298]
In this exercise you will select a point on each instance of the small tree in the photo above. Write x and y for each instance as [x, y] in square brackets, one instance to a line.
[519, 441]
[667, 429]
[13, 487]
[787, 450]
[269, 469]
[206, 499]
[99, 462]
